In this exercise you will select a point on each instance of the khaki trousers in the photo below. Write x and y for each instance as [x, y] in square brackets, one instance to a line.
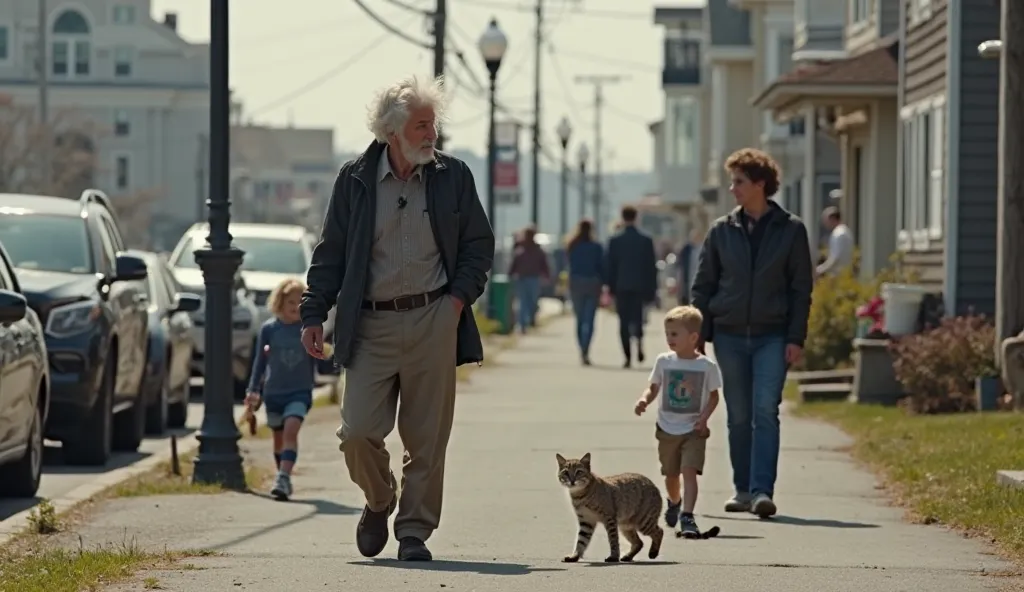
[406, 357]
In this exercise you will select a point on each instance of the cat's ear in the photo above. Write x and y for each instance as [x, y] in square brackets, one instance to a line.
[561, 460]
[585, 459]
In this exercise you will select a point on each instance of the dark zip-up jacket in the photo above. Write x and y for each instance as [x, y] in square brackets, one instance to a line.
[771, 294]
[341, 260]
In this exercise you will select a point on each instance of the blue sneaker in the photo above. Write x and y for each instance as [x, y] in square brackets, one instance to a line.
[672, 513]
[282, 489]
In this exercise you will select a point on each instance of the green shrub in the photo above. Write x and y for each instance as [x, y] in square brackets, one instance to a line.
[938, 367]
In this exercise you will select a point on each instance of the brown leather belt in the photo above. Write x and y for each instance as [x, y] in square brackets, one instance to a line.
[404, 303]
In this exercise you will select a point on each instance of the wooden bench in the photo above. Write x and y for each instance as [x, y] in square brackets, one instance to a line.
[825, 392]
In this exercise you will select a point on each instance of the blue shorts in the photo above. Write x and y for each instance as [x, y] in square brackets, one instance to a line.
[282, 406]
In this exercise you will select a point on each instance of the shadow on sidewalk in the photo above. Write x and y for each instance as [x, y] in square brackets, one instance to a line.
[793, 520]
[635, 563]
[486, 568]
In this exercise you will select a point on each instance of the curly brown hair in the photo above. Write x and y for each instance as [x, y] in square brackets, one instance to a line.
[757, 166]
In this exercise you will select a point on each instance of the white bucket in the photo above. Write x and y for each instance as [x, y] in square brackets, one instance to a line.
[902, 303]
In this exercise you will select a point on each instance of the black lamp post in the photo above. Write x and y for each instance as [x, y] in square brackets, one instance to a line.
[564, 132]
[583, 154]
[493, 45]
[219, 460]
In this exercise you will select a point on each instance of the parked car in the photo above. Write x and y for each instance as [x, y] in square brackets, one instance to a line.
[71, 264]
[273, 252]
[244, 316]
[24, 388]
[171, 342]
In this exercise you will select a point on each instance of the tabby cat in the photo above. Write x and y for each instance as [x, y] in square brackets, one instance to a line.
[628, 502]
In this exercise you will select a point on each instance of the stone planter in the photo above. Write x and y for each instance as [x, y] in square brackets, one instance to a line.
[987, 391]
[874, 380]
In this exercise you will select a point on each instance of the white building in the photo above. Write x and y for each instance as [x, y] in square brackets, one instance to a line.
[134, 79]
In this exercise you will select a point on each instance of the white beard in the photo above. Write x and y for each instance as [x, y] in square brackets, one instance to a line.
[416, 156]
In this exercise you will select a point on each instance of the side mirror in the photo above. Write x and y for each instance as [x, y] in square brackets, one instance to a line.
[13, 307]
[130, 268]
[186, 302]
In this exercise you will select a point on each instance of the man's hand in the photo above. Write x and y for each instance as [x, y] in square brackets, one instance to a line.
[313, 341]
[459, 305]
[641, 406]
[793, 353]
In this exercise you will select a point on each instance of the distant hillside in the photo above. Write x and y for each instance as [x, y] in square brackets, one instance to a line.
[619, 187]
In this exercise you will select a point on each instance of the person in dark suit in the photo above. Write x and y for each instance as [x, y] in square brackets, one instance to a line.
[632, 281]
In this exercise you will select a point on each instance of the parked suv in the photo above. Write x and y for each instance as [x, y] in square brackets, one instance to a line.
[24, 388]
[70, 261]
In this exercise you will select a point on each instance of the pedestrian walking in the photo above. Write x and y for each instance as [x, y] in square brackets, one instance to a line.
[529, 269]
[282, 380]
[404, 253]
[686, 263]
[753, 286]
[586, 280]
[632, 269]
[840, 244]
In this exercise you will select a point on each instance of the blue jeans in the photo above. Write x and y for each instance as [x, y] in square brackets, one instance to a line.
[753, 376]
[585, 308]
[528, 293]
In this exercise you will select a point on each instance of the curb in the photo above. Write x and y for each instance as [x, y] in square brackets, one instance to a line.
[16, 524]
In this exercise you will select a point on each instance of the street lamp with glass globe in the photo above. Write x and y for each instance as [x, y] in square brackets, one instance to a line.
[493, 45]
[564, 133]
[583, 154]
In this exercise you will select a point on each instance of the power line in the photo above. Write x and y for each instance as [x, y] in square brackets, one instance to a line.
[411, 8]
[391, 28]
[606, 61]
[589, 12]
[574, 109]
[338, 68]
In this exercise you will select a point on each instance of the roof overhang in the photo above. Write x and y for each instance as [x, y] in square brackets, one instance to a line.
[786, 101]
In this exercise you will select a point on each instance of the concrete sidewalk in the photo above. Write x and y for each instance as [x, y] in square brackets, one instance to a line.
[507, 523]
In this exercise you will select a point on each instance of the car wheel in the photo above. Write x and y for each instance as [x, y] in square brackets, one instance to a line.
[21, 478]
[92, 444]
[130, 425]
[156, 412]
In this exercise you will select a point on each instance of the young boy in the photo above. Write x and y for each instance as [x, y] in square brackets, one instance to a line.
[283, 380]
[688, 383]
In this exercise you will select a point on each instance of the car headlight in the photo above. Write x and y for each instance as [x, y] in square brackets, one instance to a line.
[72, 319]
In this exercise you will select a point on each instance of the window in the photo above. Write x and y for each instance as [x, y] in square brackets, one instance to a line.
[71, 51]
[66, 248]
[124, 14]
[5, 43]
[122, 176]
[860, 10]
[920, 10]
[122, 62]
[924, 148]
[122, 125]
[261, 254]
[682, 138]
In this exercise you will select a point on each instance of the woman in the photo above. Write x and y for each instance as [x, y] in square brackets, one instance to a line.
[529, 268]
[753, 285]
[586, 279]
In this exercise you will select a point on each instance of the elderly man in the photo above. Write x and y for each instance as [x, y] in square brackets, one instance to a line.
[404, 252]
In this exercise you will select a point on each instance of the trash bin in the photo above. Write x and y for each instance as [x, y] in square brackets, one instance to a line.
[500, 288]
[902, 305]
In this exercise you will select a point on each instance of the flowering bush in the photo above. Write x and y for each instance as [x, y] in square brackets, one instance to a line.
[938, 367]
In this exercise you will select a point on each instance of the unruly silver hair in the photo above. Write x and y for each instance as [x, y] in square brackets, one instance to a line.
[390, 107]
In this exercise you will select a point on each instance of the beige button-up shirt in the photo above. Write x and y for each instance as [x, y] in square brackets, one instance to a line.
[405, 260]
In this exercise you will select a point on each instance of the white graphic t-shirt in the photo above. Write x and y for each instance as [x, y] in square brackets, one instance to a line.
[684, 386]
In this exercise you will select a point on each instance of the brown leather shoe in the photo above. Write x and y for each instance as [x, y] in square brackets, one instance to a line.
[372, 531]
[413, 549]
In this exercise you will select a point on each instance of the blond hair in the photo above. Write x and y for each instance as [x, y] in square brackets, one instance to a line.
[687, 316]
[281, 291]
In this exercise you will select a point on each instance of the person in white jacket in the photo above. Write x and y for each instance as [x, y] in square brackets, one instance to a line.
[840, 243]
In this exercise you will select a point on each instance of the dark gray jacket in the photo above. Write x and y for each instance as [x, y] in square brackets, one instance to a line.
[341, 260]
[740, 296]
[632, 265]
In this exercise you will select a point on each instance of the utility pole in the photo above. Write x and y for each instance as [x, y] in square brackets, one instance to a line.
[46, 151]
[440, 28]
[538, 41]
[598, 81]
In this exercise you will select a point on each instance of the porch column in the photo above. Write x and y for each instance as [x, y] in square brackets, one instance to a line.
[808, 201]
[883, 184]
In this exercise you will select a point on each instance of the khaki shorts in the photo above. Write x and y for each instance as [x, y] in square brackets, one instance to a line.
[680, 452]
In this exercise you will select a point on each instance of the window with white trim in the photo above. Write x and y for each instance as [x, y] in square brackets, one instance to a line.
[122, 172]
[5, 43]
[924, 150]
[71, 52]
[122, 62]
[124, 14]
[122, 123]
[919, 10]
[860, 10]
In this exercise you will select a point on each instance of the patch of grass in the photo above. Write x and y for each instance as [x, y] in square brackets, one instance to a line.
[162, 480]
[43, 518]
[62, 570]
[942, 467]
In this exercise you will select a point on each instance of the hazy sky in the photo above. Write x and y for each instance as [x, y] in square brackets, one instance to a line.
[279, 48]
